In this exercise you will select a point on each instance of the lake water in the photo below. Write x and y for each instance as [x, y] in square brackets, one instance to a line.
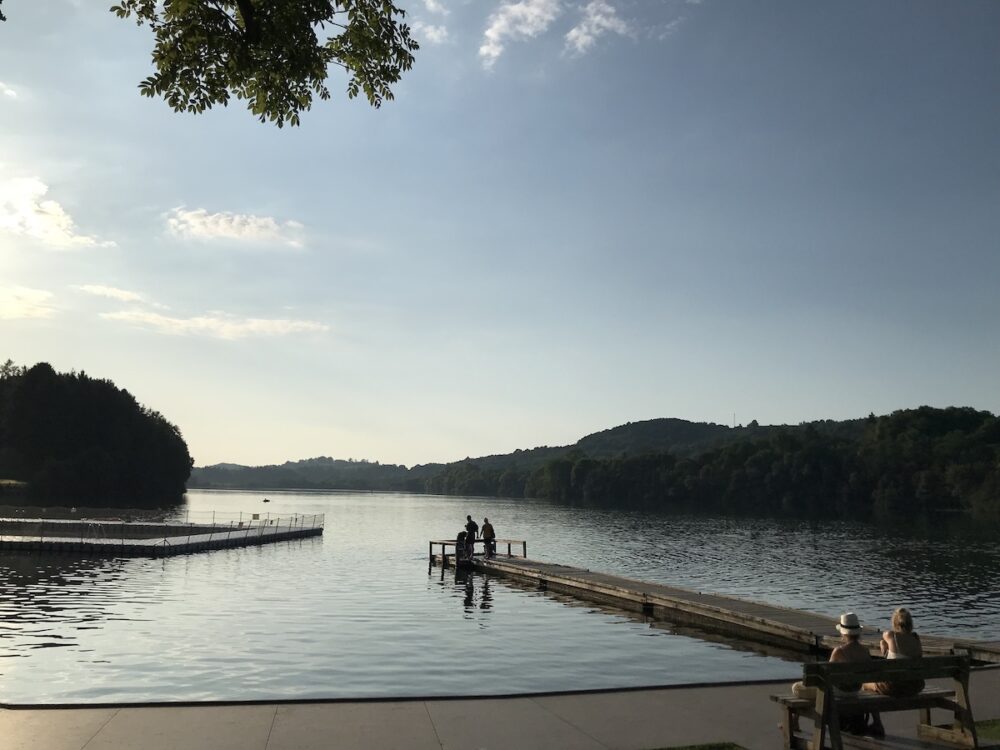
[355, 613]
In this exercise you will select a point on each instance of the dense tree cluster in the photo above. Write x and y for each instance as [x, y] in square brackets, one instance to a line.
[916, 460]
[76, 439]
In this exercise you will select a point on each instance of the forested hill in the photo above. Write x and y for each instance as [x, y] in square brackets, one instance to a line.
[77, 440]
[311, 473]
[652, 436]
[923, 459]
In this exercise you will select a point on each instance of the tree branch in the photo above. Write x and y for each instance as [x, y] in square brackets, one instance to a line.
[250, 25]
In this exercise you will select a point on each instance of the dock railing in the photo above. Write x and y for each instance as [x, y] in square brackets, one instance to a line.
[446, 543]
[224, 518]
[249, 525]
[180, 530]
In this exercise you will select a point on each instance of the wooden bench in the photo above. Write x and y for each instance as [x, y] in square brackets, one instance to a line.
[832, 703]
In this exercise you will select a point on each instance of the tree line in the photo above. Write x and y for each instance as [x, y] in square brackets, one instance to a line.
[915, 460]
[911, 461]
[73, 439]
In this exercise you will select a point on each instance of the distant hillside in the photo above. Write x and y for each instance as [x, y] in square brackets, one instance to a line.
[310, 473]
[650, 436]
[665, 435]
[910, 462]
[657, 436]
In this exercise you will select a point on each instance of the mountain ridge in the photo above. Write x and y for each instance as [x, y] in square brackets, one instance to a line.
[657, 435]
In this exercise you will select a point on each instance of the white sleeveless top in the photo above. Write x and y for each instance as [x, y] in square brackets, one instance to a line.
[893, 654]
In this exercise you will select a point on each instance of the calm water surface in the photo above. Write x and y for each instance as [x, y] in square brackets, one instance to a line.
[355, 613]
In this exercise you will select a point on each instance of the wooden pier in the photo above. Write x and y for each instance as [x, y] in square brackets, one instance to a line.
[750, 621]
[118, 538]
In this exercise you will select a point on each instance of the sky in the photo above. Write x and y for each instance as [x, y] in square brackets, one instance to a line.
[575, 214]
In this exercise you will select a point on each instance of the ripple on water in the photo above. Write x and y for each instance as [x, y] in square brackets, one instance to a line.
[355, 613]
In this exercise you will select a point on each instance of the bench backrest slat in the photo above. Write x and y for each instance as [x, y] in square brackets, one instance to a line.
[821, 674]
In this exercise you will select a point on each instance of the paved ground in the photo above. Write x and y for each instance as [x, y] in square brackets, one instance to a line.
[634, 720]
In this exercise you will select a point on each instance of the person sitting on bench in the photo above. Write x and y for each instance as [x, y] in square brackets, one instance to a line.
[850, 650]
[899, 643]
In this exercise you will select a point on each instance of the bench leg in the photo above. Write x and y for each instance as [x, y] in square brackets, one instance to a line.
[962, 732]
[836, 743]
[964, 721]
[827, 717]
[925, 717]
[790, 727]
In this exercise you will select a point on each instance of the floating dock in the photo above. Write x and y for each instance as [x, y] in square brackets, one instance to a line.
[122, 538]
[750, 621]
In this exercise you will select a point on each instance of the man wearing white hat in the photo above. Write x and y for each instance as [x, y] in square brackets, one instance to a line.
[850, 650]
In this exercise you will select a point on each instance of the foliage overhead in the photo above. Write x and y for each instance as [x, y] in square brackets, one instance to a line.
[76, 439]
[275, 54]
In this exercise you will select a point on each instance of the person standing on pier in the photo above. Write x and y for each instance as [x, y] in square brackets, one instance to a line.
[471, 527]
[489, 536]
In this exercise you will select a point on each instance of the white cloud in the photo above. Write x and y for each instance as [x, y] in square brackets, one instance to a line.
[7, 91]
[435, 6]
[665, 30]
[23, 211]
[431, 34]
[122, 295]
[515, 21]
[199, 224]
[21, 302]
[599, 18]
[215, 325]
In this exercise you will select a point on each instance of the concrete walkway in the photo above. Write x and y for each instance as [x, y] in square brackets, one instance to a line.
[633, 720]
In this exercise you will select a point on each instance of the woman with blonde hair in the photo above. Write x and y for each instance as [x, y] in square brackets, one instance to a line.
[899, 643]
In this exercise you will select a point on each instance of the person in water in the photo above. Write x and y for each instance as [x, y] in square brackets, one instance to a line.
[461, 550]
[489, 536]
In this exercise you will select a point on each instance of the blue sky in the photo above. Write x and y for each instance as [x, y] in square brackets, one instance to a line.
[574, 215]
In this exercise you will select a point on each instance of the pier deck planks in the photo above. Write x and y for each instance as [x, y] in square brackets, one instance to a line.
[727, 615]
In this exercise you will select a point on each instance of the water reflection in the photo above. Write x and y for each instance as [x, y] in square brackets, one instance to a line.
[346, 615]
[468, 582]
[46, 600]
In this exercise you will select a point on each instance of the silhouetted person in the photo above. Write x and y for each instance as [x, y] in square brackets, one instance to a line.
[471, 527]
[489, 536]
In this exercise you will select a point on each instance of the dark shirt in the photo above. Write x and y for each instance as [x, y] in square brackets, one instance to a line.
[488, 532]
[471, 528]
